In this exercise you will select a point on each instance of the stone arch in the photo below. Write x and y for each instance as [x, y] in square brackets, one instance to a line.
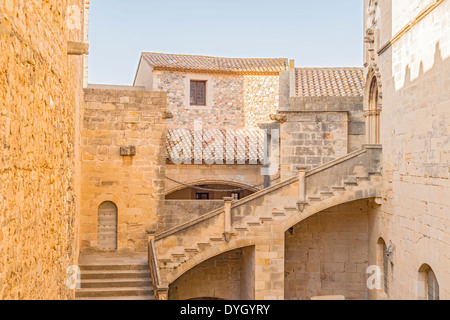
[428, 284]
[279, 229]
[221, 277]
[121, 217]
[373, 105]
[211, 253]
[232, 183]
[329, 203]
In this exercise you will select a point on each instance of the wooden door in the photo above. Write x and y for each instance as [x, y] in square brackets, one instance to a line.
[107, 226]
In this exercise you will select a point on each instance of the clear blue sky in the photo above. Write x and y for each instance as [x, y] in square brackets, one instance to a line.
[316, 33]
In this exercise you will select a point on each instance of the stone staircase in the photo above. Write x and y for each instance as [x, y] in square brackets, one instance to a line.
[114, 277]
[356, 176]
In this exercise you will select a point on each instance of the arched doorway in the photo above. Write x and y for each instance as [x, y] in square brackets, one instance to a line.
[374, 113]
[107, 226]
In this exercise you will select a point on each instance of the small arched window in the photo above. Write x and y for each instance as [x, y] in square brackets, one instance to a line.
[428, 284]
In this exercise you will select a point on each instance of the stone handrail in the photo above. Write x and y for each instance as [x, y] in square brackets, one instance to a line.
[222, 209]
[337, 165]
[161, 291]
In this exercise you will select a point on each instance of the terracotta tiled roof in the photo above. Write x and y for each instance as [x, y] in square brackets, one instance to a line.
[185, 139]
[329, 82]
[161, 61]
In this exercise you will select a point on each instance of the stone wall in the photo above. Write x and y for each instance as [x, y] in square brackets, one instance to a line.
[311, 139]
[232, 101]
[327, 254]
[261, 99]
[115, 119]
[180, 211]
[40, 110]
[415, 121]
[352, 105]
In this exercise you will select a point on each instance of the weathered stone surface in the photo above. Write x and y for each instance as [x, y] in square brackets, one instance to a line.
[135, 183]
[40, 108]
[313, 139]
[233, 101]
[324, 252]
[413, 81]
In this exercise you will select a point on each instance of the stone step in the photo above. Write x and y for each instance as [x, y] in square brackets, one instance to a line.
[113, 274]
[279, 213]
[115, 267]
[266, 219]
[253, 223]
[314, 199]
[350, 183]
[216, 239]
[165, 259]
[114, 292]
[116, 283]
[202, 245]
[326, 194]
[178, 255]
[241, 229]
[191, 250]
[339, 189]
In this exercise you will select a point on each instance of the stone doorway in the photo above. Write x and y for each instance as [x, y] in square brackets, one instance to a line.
[107, 226]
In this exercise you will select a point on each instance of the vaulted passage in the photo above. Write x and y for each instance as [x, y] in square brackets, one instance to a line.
[229, 276]
[327, 254]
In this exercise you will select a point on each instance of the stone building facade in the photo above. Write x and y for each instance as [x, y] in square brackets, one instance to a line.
[362, 184]
[41, 103]
[117, 118]
[407, 106]
[240, 93]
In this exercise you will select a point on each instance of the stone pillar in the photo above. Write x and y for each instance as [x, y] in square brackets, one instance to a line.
[269, 268]
[302, 187]
[228, 201]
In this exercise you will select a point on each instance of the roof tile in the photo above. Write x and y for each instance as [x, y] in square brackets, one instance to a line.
[329, 82]
[162, 61]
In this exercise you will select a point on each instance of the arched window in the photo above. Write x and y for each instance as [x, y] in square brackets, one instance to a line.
[107, 226]
[428, 284]
[374, 113]
[384, 263]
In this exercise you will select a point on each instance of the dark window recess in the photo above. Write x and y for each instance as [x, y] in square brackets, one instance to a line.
[198, 93]
[236, 195]
[202, 196]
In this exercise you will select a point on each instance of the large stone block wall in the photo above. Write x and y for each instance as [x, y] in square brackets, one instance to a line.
[352, 105]
[233, 101]
[178, 212]
[311, 139]
[40, 110]
[415, 122]
[114, 119]
[327, 254]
